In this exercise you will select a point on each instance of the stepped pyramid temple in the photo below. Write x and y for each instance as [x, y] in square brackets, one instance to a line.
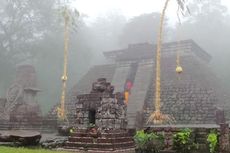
[192, 97]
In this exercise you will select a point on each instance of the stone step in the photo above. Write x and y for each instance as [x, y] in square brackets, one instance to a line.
[100, 146]
[107, 135]
[98, 71]
[85, 130]
[116, 150]
[100, 140]
[138, 92]
[120, 77]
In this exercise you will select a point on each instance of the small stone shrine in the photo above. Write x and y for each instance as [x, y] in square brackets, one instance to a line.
[101, 107]
[100, 121]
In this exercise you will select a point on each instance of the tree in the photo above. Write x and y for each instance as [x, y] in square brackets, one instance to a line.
[104, 34]
[50, 56]
[209, 26]
[31, 33]
[141, 29]
[21, 27]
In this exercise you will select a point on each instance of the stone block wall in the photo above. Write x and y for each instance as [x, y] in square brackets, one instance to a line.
[108, 109]
[186, 103]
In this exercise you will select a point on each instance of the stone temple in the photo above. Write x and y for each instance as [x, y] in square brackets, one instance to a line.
[192, 97]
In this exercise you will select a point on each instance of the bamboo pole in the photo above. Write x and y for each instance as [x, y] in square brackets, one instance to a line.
[61, 110]
[157, 117]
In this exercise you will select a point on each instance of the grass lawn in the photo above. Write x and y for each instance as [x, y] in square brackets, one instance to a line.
[25, 150]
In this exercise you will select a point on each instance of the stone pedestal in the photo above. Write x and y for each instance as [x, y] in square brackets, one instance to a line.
[107, 141]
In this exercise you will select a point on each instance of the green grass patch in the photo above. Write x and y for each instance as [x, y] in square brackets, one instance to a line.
[26, 150]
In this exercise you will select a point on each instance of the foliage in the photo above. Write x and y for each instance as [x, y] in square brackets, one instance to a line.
[212, 141]
[25, 150]
[71, 16]
[183, 142]
[24, 23]
[143, 26]
[31, 33]
[182, 5]
[149, 142]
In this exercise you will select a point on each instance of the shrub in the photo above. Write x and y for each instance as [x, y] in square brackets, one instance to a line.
[148, 142]
[183, 141]
[212, 141]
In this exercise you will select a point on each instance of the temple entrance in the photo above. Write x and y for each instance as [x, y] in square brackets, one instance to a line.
[92, 116]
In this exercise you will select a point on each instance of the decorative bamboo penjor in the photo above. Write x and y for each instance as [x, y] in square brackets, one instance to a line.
[61, 110]
[157, 117]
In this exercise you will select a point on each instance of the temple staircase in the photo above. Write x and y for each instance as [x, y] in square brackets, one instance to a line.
[138, 92]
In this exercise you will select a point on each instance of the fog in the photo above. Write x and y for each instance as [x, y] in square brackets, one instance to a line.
[31, 32]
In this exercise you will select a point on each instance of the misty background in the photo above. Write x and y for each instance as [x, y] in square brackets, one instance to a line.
[31, 32]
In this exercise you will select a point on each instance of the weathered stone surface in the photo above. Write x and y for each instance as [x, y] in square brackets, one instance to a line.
[100, 140]
[136, 100]
[186, 103]
[109, 109]
[2, 103]
[224, 138]
[220, 117]
[20, 109]
[100, 121]
[21, 138]
[54, 142]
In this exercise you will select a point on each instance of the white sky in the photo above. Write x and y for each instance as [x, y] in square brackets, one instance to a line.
[129, 8]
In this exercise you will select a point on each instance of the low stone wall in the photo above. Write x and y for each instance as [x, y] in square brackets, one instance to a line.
[200, 135]
[43, 125]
